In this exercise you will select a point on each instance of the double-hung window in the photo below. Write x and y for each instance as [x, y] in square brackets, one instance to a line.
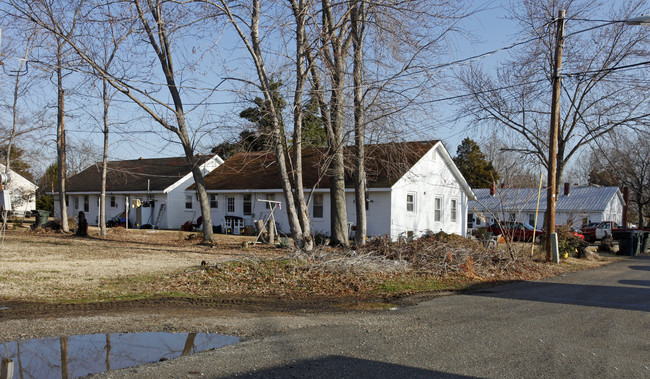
[231, 204]
[454, 210]
[437, 209]
[317, 205]
[410, 202]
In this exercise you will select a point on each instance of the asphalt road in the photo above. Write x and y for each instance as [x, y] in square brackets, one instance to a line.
[594, 323]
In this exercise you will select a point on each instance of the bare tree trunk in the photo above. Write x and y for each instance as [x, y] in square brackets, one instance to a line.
[60, 137]
[302, 209]
[14, 107]
[358, 28]
[336, 39]
[102, 201]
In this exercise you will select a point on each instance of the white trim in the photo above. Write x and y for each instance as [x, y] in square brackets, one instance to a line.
[187, 176]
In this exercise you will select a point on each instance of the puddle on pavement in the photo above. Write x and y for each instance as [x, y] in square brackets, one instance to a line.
[69, 357]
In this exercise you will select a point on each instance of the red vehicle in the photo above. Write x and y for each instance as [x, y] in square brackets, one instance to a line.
[517, 231]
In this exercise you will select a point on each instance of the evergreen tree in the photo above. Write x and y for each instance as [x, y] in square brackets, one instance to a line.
[313, 132]
[17, 164]
[470, 160]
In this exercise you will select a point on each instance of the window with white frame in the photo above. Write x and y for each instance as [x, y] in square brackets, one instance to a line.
[454, 210]
[214, 201]
[248, 205]
[113, 202]
[531, 219]
[231, 204]
[188, 201]
[437, 209]
[410, 202]
[76, 202]
[271, 197]
[86, 203]
[317, 205]
[513, 216]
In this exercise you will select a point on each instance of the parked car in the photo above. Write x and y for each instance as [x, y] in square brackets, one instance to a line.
[517, 231]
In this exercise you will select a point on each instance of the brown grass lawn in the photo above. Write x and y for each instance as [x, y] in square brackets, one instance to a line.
[55, 266]
[50, 267]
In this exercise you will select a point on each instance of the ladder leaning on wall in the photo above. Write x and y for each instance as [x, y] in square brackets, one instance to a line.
[161, 212]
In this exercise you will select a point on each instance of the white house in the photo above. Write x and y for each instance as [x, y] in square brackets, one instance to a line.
[22, 193]
[157, 185]
[413, 187]
[576, 206]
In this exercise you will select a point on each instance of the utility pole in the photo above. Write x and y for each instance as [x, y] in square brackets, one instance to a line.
[551, 197]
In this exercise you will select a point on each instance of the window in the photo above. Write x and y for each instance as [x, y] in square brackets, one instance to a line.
[513, 216]
[231, 204]
[531, 219]
[214, 201]
[247, 204]
[113, 203]
[317, 205]
[410, 202]
[188, 201]
[269, 196]
[454, 214]
[86, 203]
[437, 210]
[76, 202]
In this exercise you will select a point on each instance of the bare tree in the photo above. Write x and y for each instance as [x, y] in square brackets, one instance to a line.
[246, 23]
[157, 23]
[624, 161]
[602, 87]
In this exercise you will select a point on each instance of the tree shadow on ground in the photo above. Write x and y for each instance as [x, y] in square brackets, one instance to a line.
[346, 367]
[606, 296]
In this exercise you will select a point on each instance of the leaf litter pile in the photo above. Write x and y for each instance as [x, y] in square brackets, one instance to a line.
[382, 270]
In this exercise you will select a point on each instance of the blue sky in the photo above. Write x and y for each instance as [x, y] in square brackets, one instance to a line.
[490, 27]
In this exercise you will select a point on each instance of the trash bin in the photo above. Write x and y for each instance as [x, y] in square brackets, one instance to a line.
[40, 217]
[645, 242]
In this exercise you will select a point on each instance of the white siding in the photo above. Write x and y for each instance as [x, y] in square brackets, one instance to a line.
[430, 178]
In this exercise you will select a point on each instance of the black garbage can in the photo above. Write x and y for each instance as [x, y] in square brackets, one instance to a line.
[626, 242]
[40, 217]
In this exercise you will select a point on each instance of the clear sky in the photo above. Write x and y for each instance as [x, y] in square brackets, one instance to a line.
[490, 27]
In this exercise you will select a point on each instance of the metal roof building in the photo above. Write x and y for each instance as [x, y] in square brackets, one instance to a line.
[575, 205]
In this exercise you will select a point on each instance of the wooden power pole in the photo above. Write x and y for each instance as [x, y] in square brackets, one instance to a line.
[551, 197]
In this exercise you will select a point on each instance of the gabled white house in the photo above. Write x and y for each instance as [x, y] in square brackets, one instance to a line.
[413, 187]
[157, 185]
[576, 206]
[22, 193]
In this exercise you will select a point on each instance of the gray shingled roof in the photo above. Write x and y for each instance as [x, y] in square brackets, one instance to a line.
[579, 199]
[154, 174]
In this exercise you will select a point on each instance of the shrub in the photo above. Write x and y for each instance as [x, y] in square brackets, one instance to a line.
[570, 244]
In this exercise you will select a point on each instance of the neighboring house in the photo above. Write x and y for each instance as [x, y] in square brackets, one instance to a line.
[159, 184]
[576, 206]
[413, 187]
[22, 193]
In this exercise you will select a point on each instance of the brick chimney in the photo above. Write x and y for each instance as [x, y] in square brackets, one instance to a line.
[626, 202]
[567, 189]
[493, 189]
